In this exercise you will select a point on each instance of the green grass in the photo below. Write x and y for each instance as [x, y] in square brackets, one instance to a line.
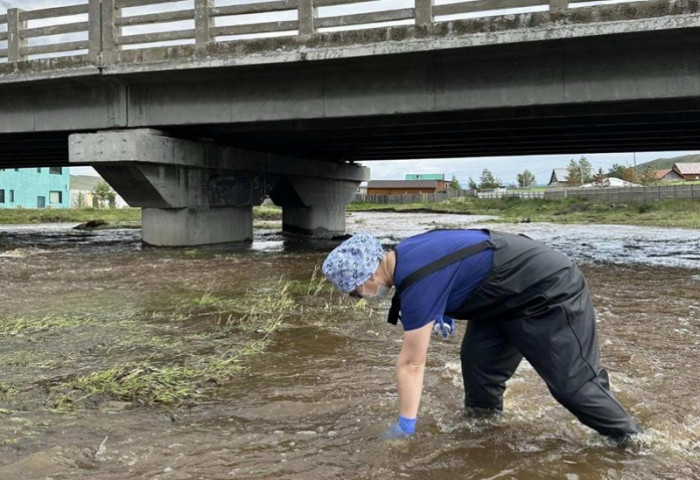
[215, 336]
[669, 213]
[267, 212]
[25, 325]
[22, 216]
[19, 216]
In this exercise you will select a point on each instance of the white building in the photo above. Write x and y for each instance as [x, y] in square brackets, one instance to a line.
[612, 182]
[82, 193]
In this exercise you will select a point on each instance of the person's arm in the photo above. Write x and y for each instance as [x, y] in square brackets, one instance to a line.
[410, 368]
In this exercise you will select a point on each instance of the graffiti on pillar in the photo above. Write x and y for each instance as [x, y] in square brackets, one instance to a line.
[239, 191]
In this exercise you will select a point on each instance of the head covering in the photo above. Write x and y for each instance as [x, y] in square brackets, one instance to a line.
[352, 262]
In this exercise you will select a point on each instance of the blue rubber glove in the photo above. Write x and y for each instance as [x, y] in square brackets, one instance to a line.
[444, 326]
[404, 427]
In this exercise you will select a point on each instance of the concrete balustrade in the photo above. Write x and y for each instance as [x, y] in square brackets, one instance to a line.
[105, 23]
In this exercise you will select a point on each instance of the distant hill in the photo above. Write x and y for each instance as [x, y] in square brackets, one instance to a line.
[667, 163]
[84, 182]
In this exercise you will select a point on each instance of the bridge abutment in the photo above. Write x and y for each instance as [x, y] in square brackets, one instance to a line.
[197, 193]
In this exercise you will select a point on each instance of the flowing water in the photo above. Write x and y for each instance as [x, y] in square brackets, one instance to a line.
[314, 403]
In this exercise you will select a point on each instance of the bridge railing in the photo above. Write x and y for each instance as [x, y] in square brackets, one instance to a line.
[57, 30]
[3, 36]
[99, 29]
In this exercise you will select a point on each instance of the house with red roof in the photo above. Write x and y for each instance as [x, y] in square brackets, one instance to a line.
[688, 171]
[668, 175]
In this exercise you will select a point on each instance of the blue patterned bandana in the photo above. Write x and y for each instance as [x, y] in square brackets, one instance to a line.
[352, 262]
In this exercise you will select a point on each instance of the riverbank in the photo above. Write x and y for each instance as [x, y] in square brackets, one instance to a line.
[669, 213]
[115, 218]
[677, 213]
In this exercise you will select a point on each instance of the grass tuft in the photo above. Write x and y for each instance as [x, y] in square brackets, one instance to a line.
[227, 332]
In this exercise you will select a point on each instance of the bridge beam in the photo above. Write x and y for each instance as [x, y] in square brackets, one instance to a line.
[199, 193]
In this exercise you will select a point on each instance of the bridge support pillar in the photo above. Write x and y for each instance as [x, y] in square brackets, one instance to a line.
[197, 193]
[175, 227]
[313, 206]
[184, 206]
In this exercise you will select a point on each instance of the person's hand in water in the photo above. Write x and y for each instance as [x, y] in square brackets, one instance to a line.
[402, 428]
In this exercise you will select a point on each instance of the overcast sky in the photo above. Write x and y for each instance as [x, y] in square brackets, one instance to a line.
[505, 168]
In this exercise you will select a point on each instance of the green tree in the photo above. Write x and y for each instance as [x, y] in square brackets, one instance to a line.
[616, 171]
[526, 179]
[580, 172]
[454, 184]
[586, 169]
[472, 184]
[104, 194]
[487, 180]
[574, 178]
[648, 176]
[80, 201]
[599, 178]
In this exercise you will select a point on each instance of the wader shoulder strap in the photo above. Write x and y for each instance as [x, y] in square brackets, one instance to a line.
[440, 263]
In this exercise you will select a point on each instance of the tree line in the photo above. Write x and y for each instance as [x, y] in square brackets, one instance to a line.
[579, 172]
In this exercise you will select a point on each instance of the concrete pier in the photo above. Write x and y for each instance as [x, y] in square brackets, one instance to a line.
[314, 206]
[177, 227]
[199, 193]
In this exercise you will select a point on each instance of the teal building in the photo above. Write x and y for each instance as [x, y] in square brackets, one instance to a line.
[42, 187]
[425, 176]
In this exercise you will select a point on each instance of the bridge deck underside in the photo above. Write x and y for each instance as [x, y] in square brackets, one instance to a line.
[600, 128]
[637, 92]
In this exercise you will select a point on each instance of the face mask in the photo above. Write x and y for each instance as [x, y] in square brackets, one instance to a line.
[382, 292]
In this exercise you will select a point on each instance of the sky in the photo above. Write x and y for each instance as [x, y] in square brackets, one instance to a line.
[507, 168]
[504, 168]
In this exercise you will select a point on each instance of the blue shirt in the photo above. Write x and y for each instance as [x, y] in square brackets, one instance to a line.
[446, 289]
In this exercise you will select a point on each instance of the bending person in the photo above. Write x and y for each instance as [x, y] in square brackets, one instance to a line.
[522, 299]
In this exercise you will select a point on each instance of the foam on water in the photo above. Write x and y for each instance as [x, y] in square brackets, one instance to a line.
[623, 244]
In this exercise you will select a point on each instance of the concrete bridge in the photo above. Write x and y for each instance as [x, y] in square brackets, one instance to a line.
[198, 133]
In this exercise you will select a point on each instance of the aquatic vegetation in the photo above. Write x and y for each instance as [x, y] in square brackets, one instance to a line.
[142, 381]
[187, 362]
[316, 285]
[25, 325]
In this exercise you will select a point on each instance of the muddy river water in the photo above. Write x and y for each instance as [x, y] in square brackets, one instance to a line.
[313, 402]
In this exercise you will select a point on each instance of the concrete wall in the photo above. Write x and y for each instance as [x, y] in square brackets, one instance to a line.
[23, 187]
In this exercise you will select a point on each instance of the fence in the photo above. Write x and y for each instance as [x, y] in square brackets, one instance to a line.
[99, 29]
[512, 193]
[635, 194]
[412, 198]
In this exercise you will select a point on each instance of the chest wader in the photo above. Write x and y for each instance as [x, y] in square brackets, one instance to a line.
[535, 304]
